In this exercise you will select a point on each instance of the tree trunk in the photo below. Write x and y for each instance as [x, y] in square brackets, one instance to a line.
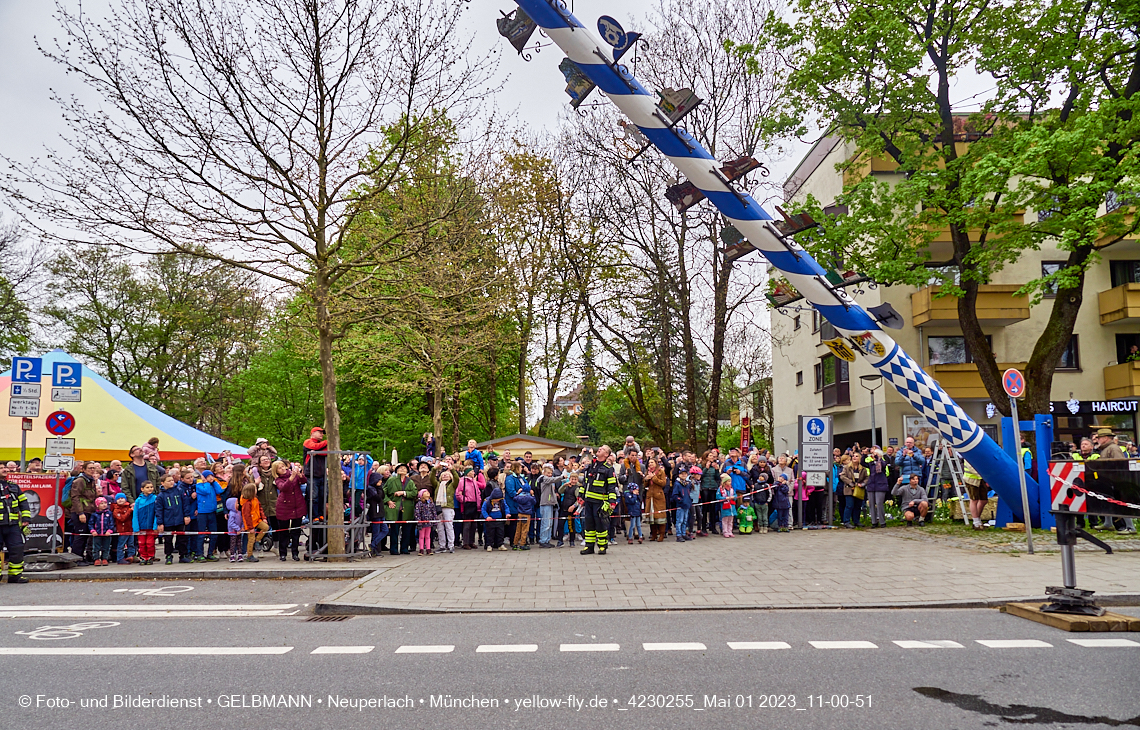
[455, 445]
[722, 269]
[1053, 340]
[523, 348]
[667, 368]
[493, 405]
[684, 306]
[333, 474]
[979, 348]
[437, 415]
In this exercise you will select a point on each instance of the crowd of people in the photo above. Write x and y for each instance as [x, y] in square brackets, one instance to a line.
[206, 511]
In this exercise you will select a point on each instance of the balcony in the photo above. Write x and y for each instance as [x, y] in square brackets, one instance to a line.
[997, 307]
[1120, 304]
[1122, 380]
[836, 394]
[961, 381]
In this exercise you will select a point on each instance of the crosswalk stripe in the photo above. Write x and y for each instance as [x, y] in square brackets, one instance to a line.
[589, 647]
[132, 607]
[674, 646]
[1014, 643]
[142, 650]
[148, 614]
[505, 648]
[758, 645]
[342, 650]
[427, 649]
[843, 645]
[1103, 643]
[934, 644]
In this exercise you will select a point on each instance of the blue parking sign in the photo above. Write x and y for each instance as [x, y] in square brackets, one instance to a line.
[66, 375]
[26, 369]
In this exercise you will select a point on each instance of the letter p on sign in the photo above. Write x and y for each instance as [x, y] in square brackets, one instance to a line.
[26, 369]
[66, 375]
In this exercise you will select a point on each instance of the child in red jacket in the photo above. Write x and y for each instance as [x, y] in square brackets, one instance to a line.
[123, 513]
[253, 519]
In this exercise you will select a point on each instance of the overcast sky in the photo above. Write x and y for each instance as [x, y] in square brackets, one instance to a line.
[532, 92]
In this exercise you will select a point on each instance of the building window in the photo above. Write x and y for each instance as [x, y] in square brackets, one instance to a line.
[1124, 272]
[827, 331]
[1047, 213]
[815, 318]
[1071, 357]
[796, 322]
[1049, 268]
[1115, 201]
[951, 350]
[800, 377]
[832, 379]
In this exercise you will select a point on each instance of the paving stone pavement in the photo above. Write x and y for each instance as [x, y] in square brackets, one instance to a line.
[813, 569]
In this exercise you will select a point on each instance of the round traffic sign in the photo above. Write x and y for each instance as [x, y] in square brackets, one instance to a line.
[60, 423]
[1013, 382]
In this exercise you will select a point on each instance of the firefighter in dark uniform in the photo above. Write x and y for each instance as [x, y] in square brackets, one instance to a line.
[14, 519]
[599, 497]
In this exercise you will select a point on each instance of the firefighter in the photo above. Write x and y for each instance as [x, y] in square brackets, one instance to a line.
[14, 519]
[598, 501]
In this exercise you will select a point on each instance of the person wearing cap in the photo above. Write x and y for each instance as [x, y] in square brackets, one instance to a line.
[262, 448]
[315, 451]
[1109, 449]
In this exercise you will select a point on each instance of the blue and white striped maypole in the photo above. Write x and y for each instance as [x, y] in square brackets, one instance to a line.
[596, 62]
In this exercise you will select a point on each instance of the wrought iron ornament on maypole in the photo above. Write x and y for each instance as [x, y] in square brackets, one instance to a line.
[591, 64]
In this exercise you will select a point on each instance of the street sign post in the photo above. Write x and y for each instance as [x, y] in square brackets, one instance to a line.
[59, 446]
[60, 423]
[26, 369]
[66, 375]
[66, 395]
[55, 462]
[1014, 384]
[26, 390]
[24, 407]
[815, 455]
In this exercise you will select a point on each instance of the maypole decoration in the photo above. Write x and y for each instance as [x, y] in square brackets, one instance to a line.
[589, 64]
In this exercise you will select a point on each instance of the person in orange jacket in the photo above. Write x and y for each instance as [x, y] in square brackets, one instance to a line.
[253, 519]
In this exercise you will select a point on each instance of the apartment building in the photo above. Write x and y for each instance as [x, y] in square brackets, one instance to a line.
[1095, 385]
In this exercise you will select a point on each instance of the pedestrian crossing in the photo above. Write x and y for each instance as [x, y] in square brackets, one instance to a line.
[647, 647]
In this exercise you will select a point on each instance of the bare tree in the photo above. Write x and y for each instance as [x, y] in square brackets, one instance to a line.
[251, 132]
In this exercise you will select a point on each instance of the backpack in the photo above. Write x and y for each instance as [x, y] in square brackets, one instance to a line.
[65, 495]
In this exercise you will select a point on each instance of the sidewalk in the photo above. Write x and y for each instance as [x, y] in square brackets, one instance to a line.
[804, 569]
[267, 567]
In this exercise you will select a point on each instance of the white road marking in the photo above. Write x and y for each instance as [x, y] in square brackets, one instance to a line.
[1014, 643]
[935, 644]
[589, 647]
[428, 649]
[843, 645]
[143, 650]
[505, 648]
[675, 646]
[136, 610]
[342, 649]
[1103, 643]
[758, 645]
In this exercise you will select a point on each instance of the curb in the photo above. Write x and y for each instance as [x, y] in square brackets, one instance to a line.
[328, 606]
[235, 574]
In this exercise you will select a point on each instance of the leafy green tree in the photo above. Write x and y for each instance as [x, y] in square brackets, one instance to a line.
[1059, 137]
[173, 331]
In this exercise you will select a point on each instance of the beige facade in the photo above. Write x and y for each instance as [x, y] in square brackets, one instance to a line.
[930, 326]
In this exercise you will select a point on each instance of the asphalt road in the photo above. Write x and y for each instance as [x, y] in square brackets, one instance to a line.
[515, 659]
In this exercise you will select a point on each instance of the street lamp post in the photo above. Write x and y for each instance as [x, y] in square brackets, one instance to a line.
[872, 383]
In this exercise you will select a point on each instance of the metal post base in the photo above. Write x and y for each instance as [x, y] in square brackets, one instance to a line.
[1072, 601]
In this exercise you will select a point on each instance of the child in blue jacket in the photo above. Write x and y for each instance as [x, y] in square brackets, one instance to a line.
[632, 500]
[234, 530]
[206, 542]
[495, 516]
[172, 515]
[144, 522]
[101, 523]
[682, 498]
[782, 502]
